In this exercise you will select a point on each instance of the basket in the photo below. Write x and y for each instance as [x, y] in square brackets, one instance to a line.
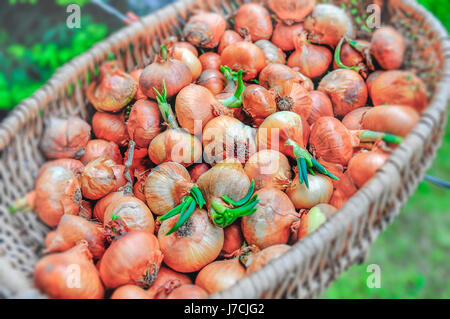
[306, 269]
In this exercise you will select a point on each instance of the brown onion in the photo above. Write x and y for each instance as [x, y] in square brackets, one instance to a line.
[97, 148]
[253, 20]
[319, 191]
[291, 11]
[205, 29]
[55, 275]
[113, 90]
[190, 59]
[213, 80]
[258, 102]
[233, 238]
[275, 76]
[350, 57]
[197, 170]
[294, 98]
[166, 276]
[134, 259]
[144, 122]
[246, 56]
[321, 106]
[130, 292]
[188, 292]
[229, 37]
[272, 53]
[388, 48]
[192, 246]
[283, 35]
[400, 88]
[346, 90]
[72, 164]
[313, 219]
[220, 275]
[265, 256]
[110, 127]
[210, 60]
[71, 230]
[271, 223]
[363, 166]
[103, 203]
[98, 178]
[136, 74]
[352, 121]
[65, 138]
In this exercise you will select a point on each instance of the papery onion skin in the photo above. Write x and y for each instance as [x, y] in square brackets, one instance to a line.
[294, 98]
[269, 168]
[220, 275]
[72, 164]
[213, 80]
[265, 256]
[320, 106]
[328, 24]
[205, 29]
[210, 60]
[283, 35]
[291, 11]
[363, 166]
[144, 122]
[272, 53]
[97, 148]
[352, 121]
[400, 88]
[98, 178]
[65, 138]
[53, 272]
[165, 276]
[331, 141]
[131, 258]
[165, 187]
[57, 193]
[133, 212]
[197, 170]
[346, 90]
[110, 127]
[344, 189]
[139, 184]
[388, 48]
[246, 56]
[233, 238]
[103, 203]
[71, 230]
[253, 20]
[350, 56]
[393, 119]
[275, 75]
[130, 292]
[136, 74]
[190, 59]
[312, 220]
[188, 292]
[192, 246]
[258, 103]
[319, 191]
[271, 223]
[311, 60]
[229, 37]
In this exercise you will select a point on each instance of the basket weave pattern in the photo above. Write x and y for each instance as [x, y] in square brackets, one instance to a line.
[310, 265]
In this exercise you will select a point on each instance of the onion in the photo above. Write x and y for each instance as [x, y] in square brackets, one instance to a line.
[320, 106]
[328, 24]
[197, 170]
[49, 237]
[113, 90]
[331, 141]
[190, 59]
[54, 275]
[393, 119]
[165, 69]
[313, 219]
[271, 223]
[272, 53]
[144, 122]
[233, 239]
[165, 187]
[371, 78]
[132, 212]
[265, 256]
[346, 90]
[294, 98]
[71, 230]
[139, 184]
[173, 42]
[228, 37]
[311, 60]
[283, 35]
[210, 60]
[291, 11]
[213, 80]
[85, 210]
[253, 20]
[110, 127]
[103, 203]
[136, 74]
[192, 246]
[269, 168]
[351, 57]
[363, 166]
[352, 121]
[188, 292]
[220, 275]
[65, 138]
[134, 259]
[388, 48]
[130, 292]
[246, 56]
[319, 191]
[258, 103]
[98, 178]
[205, 29]
[97, 148]
[72, 164]
[400, 88]
[226, 137]
[275, 76]
[166, 278]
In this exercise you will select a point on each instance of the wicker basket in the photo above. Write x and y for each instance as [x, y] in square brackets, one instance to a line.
[310, 265]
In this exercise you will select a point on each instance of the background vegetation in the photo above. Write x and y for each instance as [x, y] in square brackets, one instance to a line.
[414, 253]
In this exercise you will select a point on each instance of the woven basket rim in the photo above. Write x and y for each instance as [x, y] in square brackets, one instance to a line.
[29, 108]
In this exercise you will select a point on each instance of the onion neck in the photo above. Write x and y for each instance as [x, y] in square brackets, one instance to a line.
[165, 108]
[372, 136]
[340, 64]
